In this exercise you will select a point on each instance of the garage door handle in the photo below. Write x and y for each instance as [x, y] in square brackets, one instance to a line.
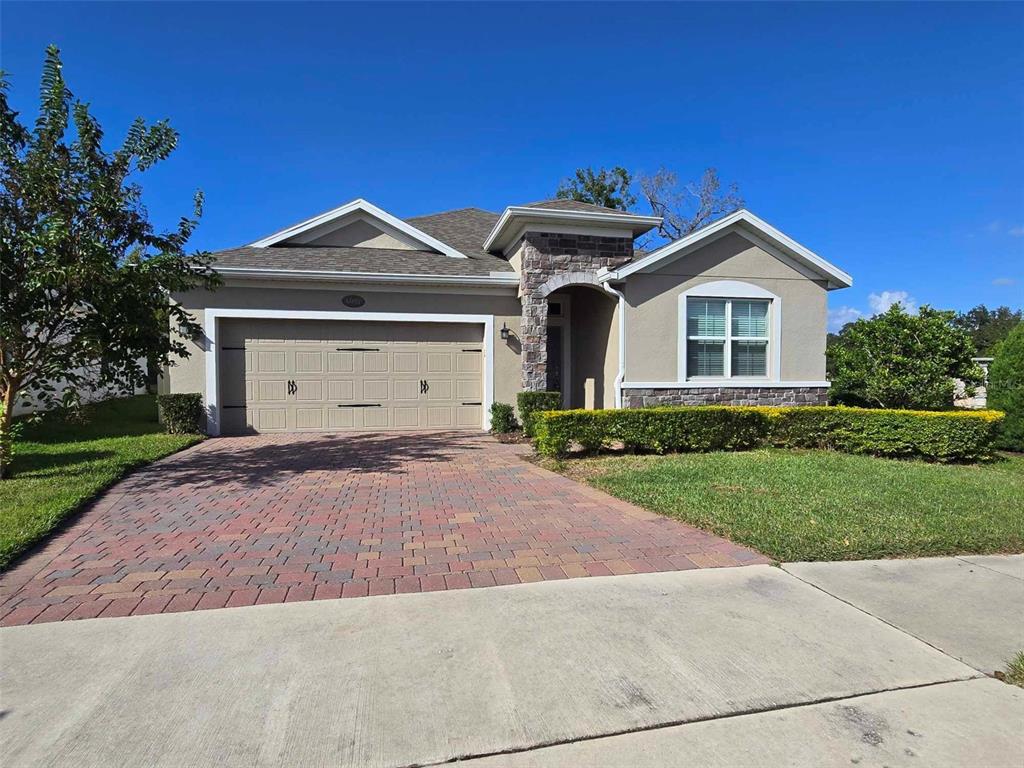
[472, 403]
[359, 405]
[357, 349]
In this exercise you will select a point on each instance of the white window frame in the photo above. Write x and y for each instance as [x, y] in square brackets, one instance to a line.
[727, 290]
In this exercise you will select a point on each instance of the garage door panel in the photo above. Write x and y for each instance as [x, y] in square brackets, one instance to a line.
[375, 418]
[440, 389]
[468, 362]
[309, 418]
[406, 389]
[343, 375]
[406, 362]
[272, 389]
[375, 362]
[341, 389]
[468, 389]
[406, 417]
[271, 419]
[341, 362]
[308, 361]
[272, 362]
[439, 362]
[309, 389]
[468, 415]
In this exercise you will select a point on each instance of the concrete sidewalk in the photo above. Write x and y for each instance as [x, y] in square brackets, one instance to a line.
[971, 607]
[419, 679]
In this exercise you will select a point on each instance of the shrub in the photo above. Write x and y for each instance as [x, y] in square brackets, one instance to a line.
[503, 418]
[934, 435]
[182, 414]
[1006, 389]
[530, 403]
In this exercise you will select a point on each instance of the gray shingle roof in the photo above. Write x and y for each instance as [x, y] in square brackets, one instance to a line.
[369, 260]
[464, 229]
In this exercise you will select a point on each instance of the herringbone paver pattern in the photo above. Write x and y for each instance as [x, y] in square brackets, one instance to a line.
[270, 519]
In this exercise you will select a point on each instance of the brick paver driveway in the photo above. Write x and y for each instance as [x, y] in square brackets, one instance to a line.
[267, 519]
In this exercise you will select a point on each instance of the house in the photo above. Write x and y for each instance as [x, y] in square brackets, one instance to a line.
[358, 320]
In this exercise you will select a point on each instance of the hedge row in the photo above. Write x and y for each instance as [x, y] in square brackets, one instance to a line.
[182, 413]
[533, 403]
[934, 435]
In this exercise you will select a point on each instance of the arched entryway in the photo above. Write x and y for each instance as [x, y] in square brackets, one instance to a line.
[582, 345]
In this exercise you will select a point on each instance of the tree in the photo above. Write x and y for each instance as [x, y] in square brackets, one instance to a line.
[1006, 388]
[987, 327]
[688, 207]
[85, 276]
[899, 360]
[607, 188]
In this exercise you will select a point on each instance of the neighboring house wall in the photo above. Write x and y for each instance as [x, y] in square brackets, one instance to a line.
[980, 398]
[88, 394]
[189, 374]
[653, 326]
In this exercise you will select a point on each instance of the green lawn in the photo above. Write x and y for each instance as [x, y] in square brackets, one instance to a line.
[819, 505]
[58, 465]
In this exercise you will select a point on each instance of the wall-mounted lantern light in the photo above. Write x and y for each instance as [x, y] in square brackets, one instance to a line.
[504, 332]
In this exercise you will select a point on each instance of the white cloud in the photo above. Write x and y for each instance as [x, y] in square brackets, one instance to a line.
[998, 227]
[880, 302]
[1017, 231]
[1004, 281]
[840, 316]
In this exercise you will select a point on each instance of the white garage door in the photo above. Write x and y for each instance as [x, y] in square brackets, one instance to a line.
[317, 375]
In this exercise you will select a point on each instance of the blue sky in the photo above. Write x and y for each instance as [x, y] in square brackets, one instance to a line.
[887, 138]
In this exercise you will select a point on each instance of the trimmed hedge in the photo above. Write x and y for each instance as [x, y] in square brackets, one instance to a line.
[531, 403]
[503, 418]
[934, 435]
[182, 414]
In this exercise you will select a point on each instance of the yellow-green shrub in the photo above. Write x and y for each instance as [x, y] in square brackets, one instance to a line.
[933, 435]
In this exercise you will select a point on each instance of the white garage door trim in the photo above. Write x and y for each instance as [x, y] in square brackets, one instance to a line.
[213, 358]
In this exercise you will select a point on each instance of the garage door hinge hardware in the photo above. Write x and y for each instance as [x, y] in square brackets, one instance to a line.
[359, 405]
[472, 403]
[472, 350]
[357, 349]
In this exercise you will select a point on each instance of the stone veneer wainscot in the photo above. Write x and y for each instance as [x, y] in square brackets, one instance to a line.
[777, 396]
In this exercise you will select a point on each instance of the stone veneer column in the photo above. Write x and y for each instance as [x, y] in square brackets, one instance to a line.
[545, 256]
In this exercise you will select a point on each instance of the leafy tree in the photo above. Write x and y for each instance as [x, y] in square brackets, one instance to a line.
[85, 276]
[687, 207]
[899, 360]
[1006, 388]
[987, 327]
[607, 188]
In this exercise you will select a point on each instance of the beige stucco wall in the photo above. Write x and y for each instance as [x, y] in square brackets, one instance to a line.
[652, 309]
[189, 375]
[361, 234]
[594, 348]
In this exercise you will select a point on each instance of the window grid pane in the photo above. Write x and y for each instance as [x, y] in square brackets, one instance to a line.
[705, 317]
[749, 358]
[750, 319]
[705, 358]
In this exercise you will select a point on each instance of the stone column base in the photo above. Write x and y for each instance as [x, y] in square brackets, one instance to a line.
[779, 395]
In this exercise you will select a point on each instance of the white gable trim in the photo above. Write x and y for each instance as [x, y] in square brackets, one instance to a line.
[370, 210]
[747, 224]
[591, 222]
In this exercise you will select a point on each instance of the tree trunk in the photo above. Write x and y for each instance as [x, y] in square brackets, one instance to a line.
[6, 425]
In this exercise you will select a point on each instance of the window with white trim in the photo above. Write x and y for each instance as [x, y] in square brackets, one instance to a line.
[726, 338]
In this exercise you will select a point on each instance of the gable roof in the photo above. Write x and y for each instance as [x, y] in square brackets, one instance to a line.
[464, 228]
[750, 226]
[371, 210]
